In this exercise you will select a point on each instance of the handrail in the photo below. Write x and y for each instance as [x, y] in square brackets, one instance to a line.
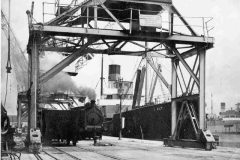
[206, 28]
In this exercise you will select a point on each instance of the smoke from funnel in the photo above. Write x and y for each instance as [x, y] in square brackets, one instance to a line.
[87, 92]
[62, 82]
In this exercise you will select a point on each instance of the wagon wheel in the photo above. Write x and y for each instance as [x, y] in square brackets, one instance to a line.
[74, 142]
[68, 142]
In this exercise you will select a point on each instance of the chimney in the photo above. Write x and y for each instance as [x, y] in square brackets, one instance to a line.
[223, 107]
[114, 72]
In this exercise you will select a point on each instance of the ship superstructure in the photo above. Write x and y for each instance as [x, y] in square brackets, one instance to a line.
[110, 101]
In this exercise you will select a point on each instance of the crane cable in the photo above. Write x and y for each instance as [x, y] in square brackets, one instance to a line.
[8, 66]
[6, 91]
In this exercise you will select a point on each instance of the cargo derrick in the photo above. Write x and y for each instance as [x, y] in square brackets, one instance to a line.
[141, 22]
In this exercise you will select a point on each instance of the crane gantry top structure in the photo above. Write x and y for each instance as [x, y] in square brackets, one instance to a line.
[76, 29]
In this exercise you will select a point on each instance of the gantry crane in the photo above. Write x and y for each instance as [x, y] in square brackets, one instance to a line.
[138, 21]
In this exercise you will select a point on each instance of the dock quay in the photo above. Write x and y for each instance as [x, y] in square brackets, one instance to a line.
[110, 148]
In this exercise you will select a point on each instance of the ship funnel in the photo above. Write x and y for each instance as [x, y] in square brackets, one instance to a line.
[114, 72]
[222, 107]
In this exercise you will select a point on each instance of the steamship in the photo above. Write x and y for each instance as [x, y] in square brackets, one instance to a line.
[117, 90]
[150, 121]
[227, 121]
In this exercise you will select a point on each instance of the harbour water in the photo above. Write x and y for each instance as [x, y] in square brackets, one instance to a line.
[229, 135]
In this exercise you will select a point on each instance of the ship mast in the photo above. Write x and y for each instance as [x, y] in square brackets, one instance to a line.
[101, 78]
[146, 78]
[211, 105]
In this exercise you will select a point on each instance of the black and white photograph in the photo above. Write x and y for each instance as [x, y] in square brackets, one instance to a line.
[120, 79]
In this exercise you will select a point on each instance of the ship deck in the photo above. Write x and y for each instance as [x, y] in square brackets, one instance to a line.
[129, 149]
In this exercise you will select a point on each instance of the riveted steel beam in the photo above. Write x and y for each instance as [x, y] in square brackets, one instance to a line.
[158, 73]
[110, 13]
[34, 79]
[174, 95]
[186, 65]
[120, 34]
[60, 66]
[188, 53]
[160, 54]
[184, 21]
[190, 78]
[202, 74]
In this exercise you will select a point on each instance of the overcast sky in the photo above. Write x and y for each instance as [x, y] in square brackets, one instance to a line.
[223, 69]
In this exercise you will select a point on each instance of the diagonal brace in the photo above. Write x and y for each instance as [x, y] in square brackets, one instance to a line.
[184, 21]
[190, 79]
[149, 49]
[186, 65]
[60, 66]
[158, 73]
[110, 13]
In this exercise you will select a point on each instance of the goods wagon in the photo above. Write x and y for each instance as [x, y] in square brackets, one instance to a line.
[60, 124]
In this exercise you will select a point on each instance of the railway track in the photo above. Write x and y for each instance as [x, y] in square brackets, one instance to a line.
[76, 158]
[61, 152]
[38, 157]
[103, 154]
[50, 155]
[77, 149]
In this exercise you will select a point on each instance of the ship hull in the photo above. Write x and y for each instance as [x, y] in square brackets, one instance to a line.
[150, 122]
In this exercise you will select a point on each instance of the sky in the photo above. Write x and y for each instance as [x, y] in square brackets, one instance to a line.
[222, 61]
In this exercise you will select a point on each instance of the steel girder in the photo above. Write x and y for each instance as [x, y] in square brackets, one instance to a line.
[60, 66]
[174, 95]
[202, 74]
[159, 74]
[120, 34]
[186, 65]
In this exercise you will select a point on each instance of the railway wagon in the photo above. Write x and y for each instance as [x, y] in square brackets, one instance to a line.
[60, 125]
[149, 122]
[90, 120]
